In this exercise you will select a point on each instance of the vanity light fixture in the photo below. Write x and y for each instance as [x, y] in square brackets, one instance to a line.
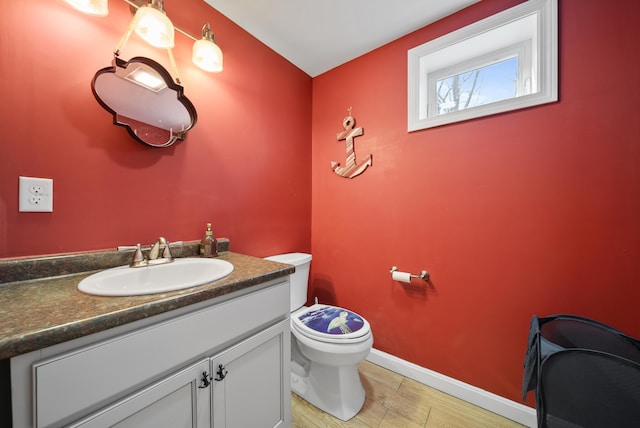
[91, 7]
[151, 23]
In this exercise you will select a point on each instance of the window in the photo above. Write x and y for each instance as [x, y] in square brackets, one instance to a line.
[495, 77]
[505, 62]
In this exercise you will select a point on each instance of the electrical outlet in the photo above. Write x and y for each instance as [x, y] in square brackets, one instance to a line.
[36, 194]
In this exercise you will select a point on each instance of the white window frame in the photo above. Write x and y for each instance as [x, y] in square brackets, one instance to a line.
[529, 29]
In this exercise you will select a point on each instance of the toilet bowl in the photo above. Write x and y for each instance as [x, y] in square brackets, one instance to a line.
[327, 344]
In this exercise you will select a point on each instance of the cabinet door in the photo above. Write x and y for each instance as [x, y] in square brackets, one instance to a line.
[180, 400]
[251, 387]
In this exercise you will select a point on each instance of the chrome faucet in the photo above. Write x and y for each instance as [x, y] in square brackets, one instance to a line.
[154, 254]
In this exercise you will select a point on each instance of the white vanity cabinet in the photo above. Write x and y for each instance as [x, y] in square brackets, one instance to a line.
[219, 364]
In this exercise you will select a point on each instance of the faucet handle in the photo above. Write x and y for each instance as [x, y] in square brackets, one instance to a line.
[166, 253]
[138, 258]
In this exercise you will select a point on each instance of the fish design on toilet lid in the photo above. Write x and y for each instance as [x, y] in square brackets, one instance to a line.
[331, 321]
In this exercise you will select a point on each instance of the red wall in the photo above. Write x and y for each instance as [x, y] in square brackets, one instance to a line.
[244, 167]
[530, 212]
[534, 211]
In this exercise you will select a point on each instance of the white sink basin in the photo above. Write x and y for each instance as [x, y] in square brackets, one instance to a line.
[181, 273]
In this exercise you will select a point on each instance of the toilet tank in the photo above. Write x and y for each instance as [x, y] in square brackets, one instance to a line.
[299, 279]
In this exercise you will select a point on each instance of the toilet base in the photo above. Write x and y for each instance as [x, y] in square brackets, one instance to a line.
[336, 390]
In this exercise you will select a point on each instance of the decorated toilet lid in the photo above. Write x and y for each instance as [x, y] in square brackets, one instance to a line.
[331, 323]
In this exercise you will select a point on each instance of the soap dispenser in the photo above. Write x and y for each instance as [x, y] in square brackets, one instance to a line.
[208, 244]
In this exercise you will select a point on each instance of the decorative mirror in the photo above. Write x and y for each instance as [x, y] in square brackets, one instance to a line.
[142, 96]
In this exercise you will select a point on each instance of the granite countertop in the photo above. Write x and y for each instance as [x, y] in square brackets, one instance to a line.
[37, 313]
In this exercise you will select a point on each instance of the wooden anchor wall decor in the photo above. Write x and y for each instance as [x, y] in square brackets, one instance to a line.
[351, 169]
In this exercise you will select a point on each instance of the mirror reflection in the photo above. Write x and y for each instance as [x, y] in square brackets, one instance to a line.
[142, 96]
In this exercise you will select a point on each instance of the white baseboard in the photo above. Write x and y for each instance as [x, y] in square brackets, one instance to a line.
[520, 413]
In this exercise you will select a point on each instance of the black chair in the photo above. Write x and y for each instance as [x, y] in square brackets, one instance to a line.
[584, 373]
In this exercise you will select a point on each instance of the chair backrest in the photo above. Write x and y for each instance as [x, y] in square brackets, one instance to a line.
[588, 388]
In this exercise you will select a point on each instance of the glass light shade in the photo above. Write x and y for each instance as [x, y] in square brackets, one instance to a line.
[154, 27]
[91, 7]
[207, 55]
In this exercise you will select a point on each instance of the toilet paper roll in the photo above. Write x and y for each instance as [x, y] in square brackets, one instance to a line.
[401, 276]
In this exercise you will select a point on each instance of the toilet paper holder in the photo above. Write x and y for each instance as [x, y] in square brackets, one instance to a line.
[424, 275]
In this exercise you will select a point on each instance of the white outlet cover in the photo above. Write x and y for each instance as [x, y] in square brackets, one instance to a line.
[35, 194]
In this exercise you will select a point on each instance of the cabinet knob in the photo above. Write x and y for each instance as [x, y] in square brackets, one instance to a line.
[206, 380]
[221, 374]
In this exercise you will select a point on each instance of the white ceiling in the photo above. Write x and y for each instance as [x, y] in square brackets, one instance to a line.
[318, 35]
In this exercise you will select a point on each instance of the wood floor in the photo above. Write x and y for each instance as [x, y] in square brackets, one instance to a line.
[394, 401]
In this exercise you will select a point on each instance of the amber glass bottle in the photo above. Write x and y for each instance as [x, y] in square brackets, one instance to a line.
[208, 244]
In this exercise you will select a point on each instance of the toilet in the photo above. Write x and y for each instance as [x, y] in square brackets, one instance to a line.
[327, 344]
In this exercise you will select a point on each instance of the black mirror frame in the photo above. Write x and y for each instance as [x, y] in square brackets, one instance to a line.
[166, 76]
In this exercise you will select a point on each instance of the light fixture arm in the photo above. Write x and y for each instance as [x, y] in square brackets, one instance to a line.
[158, 4]
[184, 33]
[206, 32]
